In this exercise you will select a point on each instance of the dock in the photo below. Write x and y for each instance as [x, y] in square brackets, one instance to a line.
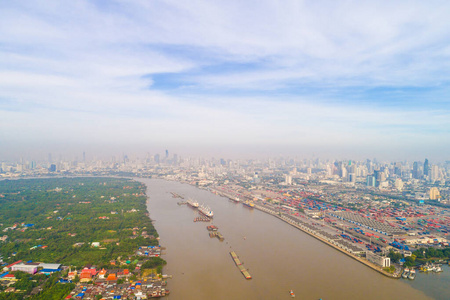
[240, 265]
[175, 195]
[217, 235]
[202, 219]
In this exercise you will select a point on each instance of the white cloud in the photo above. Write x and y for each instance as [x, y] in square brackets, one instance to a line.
[86, 69]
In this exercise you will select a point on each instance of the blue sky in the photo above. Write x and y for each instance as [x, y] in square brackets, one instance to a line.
[351, 79]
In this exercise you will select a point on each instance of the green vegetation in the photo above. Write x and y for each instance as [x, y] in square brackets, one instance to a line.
[70, 211]
[432, 253]
[52, 290]
[395, 256]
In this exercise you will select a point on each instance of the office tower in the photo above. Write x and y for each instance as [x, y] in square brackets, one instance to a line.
[415, 170]
[371, 180]
[434, 173]
[167, 154]
[426, 167]
[157, 158]
[398, 169]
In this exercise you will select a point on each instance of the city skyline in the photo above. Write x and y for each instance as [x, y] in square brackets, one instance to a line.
[306, 79]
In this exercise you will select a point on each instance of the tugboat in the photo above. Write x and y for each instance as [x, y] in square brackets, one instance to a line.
[291, 292]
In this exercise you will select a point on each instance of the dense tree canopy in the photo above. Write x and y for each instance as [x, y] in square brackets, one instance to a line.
[56, 220]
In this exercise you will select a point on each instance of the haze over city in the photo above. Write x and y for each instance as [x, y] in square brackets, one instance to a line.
[307, 78]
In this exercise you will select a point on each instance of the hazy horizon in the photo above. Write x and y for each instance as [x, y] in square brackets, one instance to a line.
[226, 79]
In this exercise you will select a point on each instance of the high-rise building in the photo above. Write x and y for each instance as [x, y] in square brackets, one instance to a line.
[434, 173]
[426, 167]
[415, 170]
[371, 180]
[288, 179]
[157, 158]
[398, 184]
[434, 193]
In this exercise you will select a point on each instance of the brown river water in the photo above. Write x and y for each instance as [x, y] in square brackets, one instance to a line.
[278, 256]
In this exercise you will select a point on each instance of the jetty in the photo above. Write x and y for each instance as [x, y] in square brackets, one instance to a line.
[240, 265]
[202, 219]
[175, 195]
[217, 235]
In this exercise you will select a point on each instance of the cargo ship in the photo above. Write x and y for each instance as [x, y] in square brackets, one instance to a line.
[204, 209]
[249, 204]
[192, 203]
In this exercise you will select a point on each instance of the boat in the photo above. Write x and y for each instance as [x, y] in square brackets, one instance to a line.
[437, 269]
[412, 274]
[405, 273]
[235, 199]
[249, 204]
[291, 292]
[204, 209]
[192, 203]
[212, 228]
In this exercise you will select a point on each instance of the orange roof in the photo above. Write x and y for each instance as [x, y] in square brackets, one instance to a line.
[111, 277]
[85, 275]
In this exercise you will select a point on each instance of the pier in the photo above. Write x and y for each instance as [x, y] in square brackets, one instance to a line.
[175, 195]
[240, 265]
[202, 219]
[217, 235]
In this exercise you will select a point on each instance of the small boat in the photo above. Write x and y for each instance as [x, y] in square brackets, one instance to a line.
[412, 274]
[405, 273]
[291, 292]
[437, 269]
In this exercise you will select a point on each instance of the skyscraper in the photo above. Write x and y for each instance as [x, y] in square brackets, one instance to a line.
[426, 167]
[415, 170]
[434, 173]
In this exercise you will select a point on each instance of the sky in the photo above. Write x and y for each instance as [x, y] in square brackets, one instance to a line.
[335, 79]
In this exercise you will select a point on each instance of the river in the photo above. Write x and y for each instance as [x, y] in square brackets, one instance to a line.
[278, 256]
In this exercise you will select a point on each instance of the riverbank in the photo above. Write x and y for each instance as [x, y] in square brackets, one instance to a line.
[316, 236]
